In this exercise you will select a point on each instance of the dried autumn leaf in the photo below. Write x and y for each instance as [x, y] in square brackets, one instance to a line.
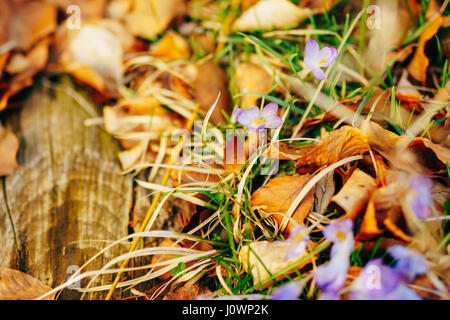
[318, 6]
[268, 256]
[355, 194]
[9, 145]
[209, 82]
[337, 145]
[394, 25]
[408, 153]
[16, 285]
[417, 68]
[271, 14]
[149, 18]
[33, 20]
[188, 292]
[251, 78]
[279, 193]
[369, 225]
[172, 46]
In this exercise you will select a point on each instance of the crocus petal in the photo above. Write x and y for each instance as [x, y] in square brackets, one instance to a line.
[312, 48]
[246, 117]
[328, 53]
[273, 122]
[269, 110]
[289, 291]
[377, 281]
[295, 250]
[332, 231]
[258, 129]
[419, 198]
[332, 276]
[318, 73]
[311, 62]
[409, 263]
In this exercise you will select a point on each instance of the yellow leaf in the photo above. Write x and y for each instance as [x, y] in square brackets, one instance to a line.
[271, 14]
[252, 78]
[267, 256]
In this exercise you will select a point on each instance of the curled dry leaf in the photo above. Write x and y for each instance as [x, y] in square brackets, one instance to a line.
[355, 194]
[93, 55]
[279, 193]
[9, 145]
[411, 154]
[268, 256]
[172, 46]
[324, 192]
[417, 68]
[149, 18]
[271, 14]
[252, 78]
[209, 82]
[16, 285]
[337, 145]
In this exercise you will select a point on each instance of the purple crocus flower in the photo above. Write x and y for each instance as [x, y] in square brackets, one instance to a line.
[316, 58]
[341, 235]
[332, 276]
[377, 281]
[420, 197]
[289, 291]
[298, 240]
[408, 262]
[257, 120]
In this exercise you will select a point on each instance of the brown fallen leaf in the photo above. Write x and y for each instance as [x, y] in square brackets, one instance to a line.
[9, 145]
[279, 193]
[267, 256]
[210, 81]
[172, 46]
[408, 153]
[417, 68]
[355, 194]
[395, 22]
[337, 145]
[271, 14]
[16, 285]
[188, 292]
[252, 78]
[318, 6]
[40, 18]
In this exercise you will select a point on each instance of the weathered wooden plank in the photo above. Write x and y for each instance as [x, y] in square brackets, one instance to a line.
[71, 192]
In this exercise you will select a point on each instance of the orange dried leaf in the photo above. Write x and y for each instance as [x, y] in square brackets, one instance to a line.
[405, 152]
[419, 64]
[16, 285]
[369, 225]
[9, 145]
[251, 78]
[172, 46]
[278, 195]
[337, 145]
[355, 194]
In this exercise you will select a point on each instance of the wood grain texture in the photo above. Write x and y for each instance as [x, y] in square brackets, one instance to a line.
[70, 193]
